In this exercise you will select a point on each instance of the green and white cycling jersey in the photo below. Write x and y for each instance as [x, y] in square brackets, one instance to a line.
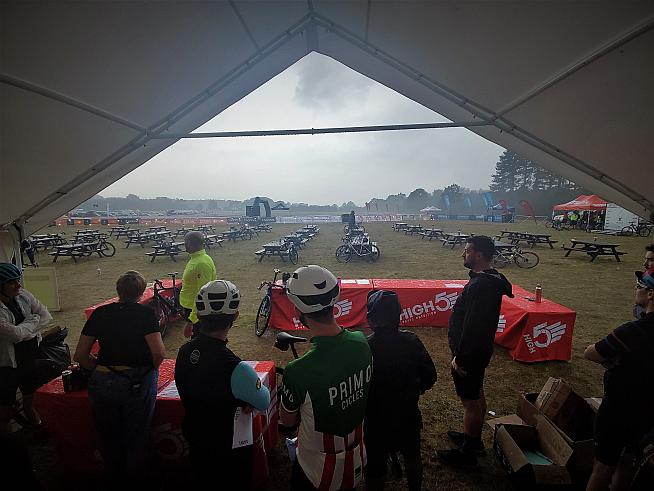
[329, 386]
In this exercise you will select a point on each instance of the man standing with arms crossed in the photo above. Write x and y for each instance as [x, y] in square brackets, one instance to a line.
[471, 336]
[324, 392]
[199, 271]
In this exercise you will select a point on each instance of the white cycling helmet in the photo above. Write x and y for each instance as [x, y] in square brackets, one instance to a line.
[312, 288]
[218, 297]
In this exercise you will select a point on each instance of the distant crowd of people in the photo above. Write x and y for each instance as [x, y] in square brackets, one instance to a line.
[351, 401]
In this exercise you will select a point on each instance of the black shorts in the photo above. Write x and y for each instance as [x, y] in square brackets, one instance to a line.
[378, 448]
[469, 387]
[619, 429]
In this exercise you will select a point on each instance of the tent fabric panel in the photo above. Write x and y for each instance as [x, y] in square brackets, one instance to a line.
[374, 68]
[583, 202]
[45, 144]
[607, 125]
[267, 23]
[493, 52]
[350, 15]
[138, 61]
[257, 74]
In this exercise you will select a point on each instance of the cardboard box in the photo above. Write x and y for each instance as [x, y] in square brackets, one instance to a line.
[515, 446]
[581, 440]
[564, 407]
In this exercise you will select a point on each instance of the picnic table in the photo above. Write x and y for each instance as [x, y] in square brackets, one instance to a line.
[158, 236]
[79, 249]
[182, 231]
[212, 239]
[528, 237]
[125, 232]
[135, 237]
[454, 238]
[297, 239]
[431, 233]
[234, 234]
[593, 249]
[278, 248]
[116, 229]
[170, 249]
[45, 241]
[412, 229]
[158, 228]
[400, 226]
[263, 227]
[307, 233]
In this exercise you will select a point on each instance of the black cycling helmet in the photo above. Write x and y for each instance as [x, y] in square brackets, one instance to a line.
[384, 311]
[9, 272]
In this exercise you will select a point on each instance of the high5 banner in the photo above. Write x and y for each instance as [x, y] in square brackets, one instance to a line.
[530, 331]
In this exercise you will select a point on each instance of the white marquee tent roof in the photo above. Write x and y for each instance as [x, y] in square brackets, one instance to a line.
[87, 87]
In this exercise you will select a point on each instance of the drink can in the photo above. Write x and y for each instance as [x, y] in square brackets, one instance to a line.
[67, 379]
[539, 293]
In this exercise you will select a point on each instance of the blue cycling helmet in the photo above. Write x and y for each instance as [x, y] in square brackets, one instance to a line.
[9, 272]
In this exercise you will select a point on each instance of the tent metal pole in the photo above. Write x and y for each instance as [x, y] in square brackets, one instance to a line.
[69, 101]
[319, 131]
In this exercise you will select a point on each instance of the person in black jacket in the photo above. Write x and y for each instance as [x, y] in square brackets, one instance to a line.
[471, 337]
[403, 370]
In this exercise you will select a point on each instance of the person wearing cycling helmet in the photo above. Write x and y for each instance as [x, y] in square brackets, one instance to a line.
[22, 318]
[403, 371]
[324, 392]
[626, 414]
[214, 383]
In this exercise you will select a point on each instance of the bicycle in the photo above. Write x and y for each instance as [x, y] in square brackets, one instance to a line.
[357, 246]
[106, 248]
[165, 302]
[641, 229]
[526, 260]
[265, 307]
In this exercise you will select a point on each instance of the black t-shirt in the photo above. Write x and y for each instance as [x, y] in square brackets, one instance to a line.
[629, 351]
[203, 374]
[120, 329]
[402, 370]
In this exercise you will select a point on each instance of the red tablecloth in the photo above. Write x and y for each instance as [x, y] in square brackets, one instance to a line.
[530, 331]
[148, 294]
[70, 422]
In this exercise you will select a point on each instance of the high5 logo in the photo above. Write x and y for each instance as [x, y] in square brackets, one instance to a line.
[501, 324]
[342, 307]
[442, 302]
[545, 334]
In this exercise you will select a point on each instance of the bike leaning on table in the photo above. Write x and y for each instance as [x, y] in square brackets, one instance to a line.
[166, 306]
[526, 259]
[356, 246]
[265, 307]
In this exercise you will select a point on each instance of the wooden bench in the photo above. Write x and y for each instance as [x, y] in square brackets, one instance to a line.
[210, 240]
[76, 250]
[594, 249]
[136, 239]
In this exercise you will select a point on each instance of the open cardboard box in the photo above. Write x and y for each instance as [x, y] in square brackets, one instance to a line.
[514, 446]
[578, 418]
[568, 410]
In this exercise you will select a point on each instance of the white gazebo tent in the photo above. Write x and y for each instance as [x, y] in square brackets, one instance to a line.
[90, 91]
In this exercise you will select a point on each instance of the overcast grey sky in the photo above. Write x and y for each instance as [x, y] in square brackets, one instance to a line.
[320, 169]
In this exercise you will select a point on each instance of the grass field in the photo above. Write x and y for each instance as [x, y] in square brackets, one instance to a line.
[601, 293]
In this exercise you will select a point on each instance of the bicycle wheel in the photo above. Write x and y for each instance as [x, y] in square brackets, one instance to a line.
[500, 261]
[644, 231]
[108, 249]
[627, 231]
[293, 255]
[375, 253]
[343, 254]
[526, 259]
[162, 313]
[263, 316]
[549, 223]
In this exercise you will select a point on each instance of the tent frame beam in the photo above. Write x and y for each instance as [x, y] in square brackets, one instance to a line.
[319, 131]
